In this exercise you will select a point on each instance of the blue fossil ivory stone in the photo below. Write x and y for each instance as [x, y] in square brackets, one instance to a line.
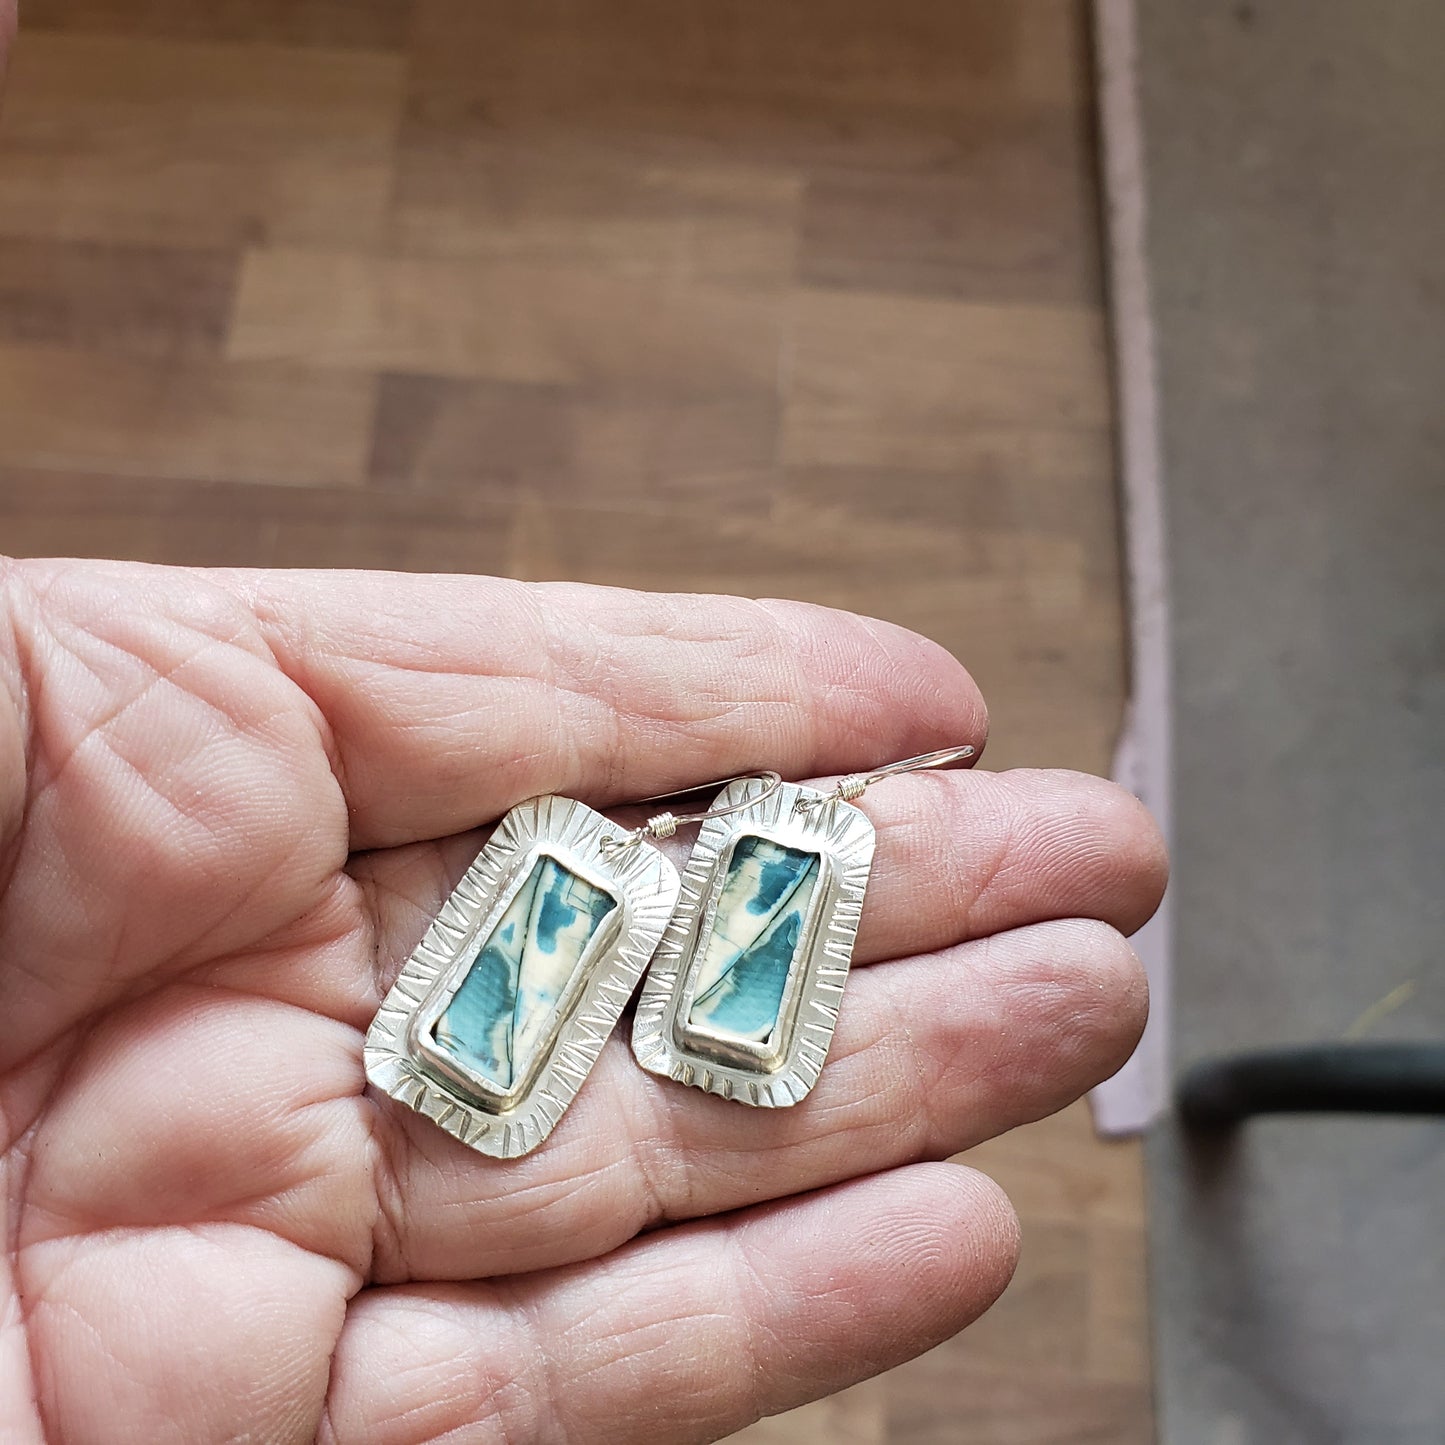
[757, 930]
[505, 1008]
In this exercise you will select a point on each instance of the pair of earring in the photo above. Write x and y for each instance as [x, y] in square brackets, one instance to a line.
[497, 1018]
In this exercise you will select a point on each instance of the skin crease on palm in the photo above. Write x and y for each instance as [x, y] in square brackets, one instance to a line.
[229, 803]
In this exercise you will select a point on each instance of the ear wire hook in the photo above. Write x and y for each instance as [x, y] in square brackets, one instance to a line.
[664, 825]
[853, 786]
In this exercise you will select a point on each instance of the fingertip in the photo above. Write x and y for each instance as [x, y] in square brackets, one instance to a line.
[933, 1244]
[1140, 858]
[981, 1227]
[1087, 998]
[1113, 1002]
[1128, 985]
[1091, 842]
[1136, 853]
[1146, 856]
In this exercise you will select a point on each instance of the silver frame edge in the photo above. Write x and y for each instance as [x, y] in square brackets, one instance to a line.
[844, 837]
[646, 886]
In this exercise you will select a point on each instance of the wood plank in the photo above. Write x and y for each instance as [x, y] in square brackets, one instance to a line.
[46, 512]
[509, 322]
[1117, 1333]
[573, 446]
[85, 410]
[353, 24]
[582, 200]
[1015, 224]
[1056, 1171]
[946, 1397]
[168, 143]
[857, 1416]
[143, 300]
[903, 381]
[908, 83]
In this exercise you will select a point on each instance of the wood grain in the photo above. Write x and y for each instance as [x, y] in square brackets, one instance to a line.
[879, 229]
[144, 300]
[582, 449]
[939, 375]
[521, 322]
[585, 201]
[795, 300]
[162, 142]
[78, 409]
[354, 24]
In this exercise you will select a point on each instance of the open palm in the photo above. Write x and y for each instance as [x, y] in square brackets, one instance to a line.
[229, 804]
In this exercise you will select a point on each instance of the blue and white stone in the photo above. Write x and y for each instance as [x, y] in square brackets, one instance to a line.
[503, 1012]
[756, 934]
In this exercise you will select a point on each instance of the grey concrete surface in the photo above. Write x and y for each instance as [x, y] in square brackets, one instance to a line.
[1295, 163]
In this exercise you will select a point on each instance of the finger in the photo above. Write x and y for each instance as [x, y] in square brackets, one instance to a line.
[448, 699]
[963, 854]
[931, 1055]
[687, 1335]
[959, 855]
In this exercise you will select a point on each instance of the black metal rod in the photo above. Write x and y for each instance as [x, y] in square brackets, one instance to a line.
[1336, 1078]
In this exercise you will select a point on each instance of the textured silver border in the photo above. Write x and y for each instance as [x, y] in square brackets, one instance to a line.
[645, 885]
[844, 838]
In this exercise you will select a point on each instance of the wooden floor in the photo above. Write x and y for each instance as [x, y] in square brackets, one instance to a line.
[793, 299]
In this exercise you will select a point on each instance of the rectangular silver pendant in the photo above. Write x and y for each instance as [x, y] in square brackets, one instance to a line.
[498, 1016]
[744, 989]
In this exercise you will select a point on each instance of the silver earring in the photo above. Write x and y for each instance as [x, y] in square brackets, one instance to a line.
[499, 1014]
[743, 992]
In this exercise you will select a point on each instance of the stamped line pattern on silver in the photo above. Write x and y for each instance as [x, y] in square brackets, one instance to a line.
[668, 1037]
[404, 1056]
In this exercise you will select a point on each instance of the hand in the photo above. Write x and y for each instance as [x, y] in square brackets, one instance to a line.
[229, 804]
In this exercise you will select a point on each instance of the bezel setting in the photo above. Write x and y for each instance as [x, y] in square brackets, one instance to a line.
[781, 1070]
[402, 1057]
